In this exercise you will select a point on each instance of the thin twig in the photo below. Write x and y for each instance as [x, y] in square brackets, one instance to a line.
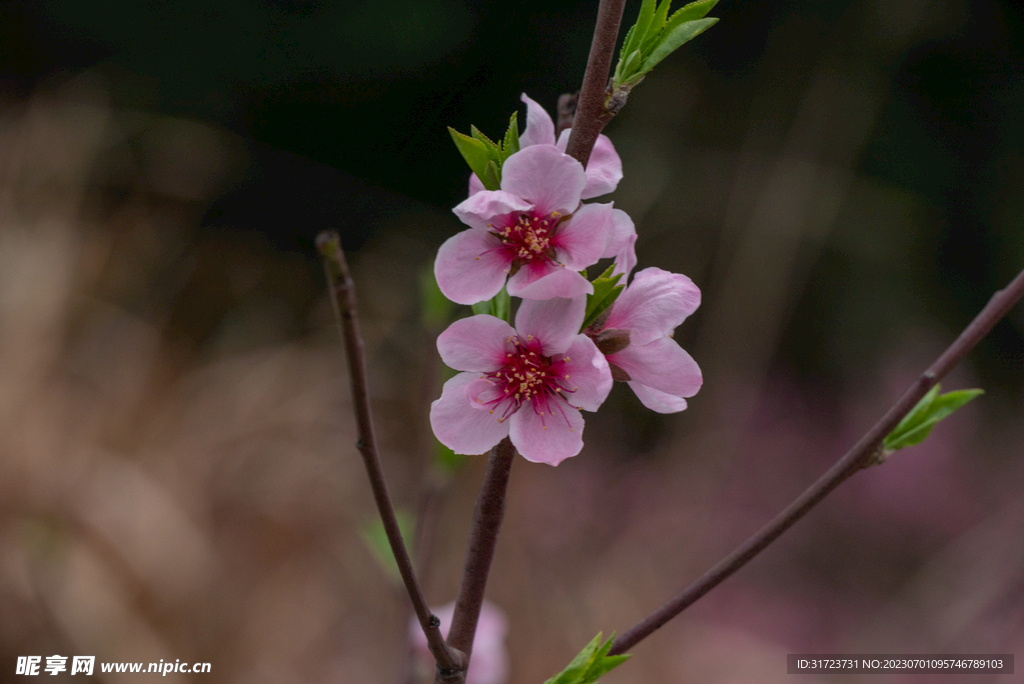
[490, 508]
[591, 114]
[858, 457]
[342, 288]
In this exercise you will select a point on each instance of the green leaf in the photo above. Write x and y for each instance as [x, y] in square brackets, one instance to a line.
[606, 291]
[693, 11]
[492, 176]
[674, 36]
[492, 146]
[657, 24]
[498, 306]
[510, 145]
[625, 44]
[477, 155]
[592, 662]
[638, 33]
[376, 540]
[933, 407]
[631, 67]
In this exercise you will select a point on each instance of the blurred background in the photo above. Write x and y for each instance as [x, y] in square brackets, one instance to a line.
[844, 181]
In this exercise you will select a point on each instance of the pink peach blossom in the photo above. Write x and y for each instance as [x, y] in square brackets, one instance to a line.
[533, 231]
[604, 169]
[635, 334]
[527, 383]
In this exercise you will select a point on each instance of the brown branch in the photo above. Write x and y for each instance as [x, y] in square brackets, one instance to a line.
[591, 113]
[861, 455]
[490, 508]
[343, 290]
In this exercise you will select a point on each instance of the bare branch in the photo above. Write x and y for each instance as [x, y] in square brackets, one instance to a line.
[490, 509]
[858, 457]
[343, 290]
[591, 113]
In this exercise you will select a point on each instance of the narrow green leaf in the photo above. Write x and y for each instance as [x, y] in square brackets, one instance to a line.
[485, 308]
[692, 11]
[657, 25]
[932, 408]
[498, 306]
[674, 37]
[625, 44]
[492, 146]
[573, 672]
[630, 67]
[592, 662]
[639, 32]
[475, 153]
[376, 539]
[492, 176]
[606, 291]
[510, 145]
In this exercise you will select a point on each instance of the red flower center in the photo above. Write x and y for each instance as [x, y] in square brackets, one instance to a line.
[531, 378]
[528, 238]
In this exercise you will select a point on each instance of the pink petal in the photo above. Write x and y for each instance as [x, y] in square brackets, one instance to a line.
[459, 426]
[657, 401]
[547, 281]
[625, 261]
[661, 365]
[549, 180]
[547, 438]
[475, 184]
[470, 266]
[604, 168]
[654, 305]
[477, 343]
[589, 375]
[619, 235]
[540, 129]
[480, 210]
[555, 323]
[581, 239]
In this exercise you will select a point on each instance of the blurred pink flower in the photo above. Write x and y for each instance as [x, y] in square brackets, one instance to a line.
[604, 169]
[526, 383]
[489, 662]
[533, 231]
[635, 335]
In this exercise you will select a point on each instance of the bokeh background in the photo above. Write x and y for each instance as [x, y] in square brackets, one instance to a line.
[844, 181]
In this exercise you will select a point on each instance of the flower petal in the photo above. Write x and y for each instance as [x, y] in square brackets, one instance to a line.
[475, 184]
[625, 261]
[581, 239]
[471, 267]
[654, 305]
[546, 437]
[480, 210]
[540, 129]
[555, 323]
[604, 168]
[459, 426]
[621, 243]
[477, 343]
[544, 281]
[657, 401]
[549, 180]
[661, 365]
[588, 374]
